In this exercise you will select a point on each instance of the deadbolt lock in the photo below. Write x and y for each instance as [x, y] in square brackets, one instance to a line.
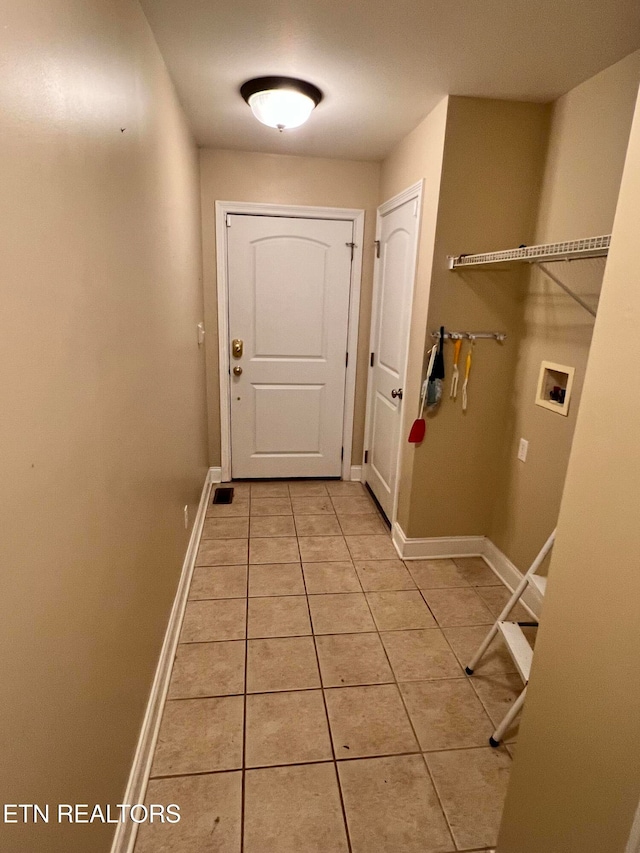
[237, 370]
[236, 348]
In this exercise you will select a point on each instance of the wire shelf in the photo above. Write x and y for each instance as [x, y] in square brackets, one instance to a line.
[588, 247]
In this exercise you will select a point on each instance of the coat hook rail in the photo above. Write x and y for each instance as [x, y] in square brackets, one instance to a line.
[472, 336]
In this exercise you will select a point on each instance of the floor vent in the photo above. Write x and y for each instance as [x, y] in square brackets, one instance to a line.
[223, 495]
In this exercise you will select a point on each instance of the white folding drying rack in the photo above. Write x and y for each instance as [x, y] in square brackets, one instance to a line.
[514, 638]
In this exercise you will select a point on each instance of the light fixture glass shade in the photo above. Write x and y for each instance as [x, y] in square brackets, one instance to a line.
[281, 108]
[281, 102]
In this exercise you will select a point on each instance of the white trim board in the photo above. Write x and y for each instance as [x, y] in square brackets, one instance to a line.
[356, 473]
[436, 547]
[126, 833]
[466, 546]
[511, 576]
[250, 208]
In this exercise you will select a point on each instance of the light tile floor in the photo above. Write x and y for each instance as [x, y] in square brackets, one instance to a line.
[318, 702]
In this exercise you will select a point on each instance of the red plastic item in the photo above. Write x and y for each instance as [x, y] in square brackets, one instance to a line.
[417, 431]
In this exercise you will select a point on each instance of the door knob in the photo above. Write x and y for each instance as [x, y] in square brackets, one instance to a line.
[237, 370]
[236, 348]
[397, 393]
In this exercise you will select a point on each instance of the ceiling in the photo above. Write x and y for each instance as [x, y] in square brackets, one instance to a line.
[382, 66]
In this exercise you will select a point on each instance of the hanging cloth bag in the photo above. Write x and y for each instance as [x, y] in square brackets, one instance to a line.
[436, 376]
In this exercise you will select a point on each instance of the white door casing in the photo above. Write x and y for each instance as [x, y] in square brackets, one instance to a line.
[289, 291]
[397, 232]
[223, 210]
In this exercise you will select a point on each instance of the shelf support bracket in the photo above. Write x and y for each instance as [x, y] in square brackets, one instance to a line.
[545, 269]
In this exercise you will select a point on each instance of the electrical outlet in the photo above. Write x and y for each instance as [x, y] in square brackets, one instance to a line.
[523, 449]
[186, 517]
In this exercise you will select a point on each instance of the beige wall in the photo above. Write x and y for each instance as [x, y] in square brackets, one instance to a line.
[417, 157]
[576, 780]
[588, 140]
[103, 427]
[511, 173]
[280, 179]
[490, 176]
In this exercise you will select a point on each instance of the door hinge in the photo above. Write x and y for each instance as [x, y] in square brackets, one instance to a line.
[227, 221]
[342, 453]
[366, 456]
[346, 361]
[377, 245]
[352, 247]
[371, 359]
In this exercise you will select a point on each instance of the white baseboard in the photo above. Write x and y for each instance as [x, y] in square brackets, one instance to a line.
[436, 547]
[510, 575]
[215, 475]
[356, 473]
[466, 546]
[125, 834]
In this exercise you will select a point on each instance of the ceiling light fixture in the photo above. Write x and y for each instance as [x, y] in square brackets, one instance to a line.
[281, 102]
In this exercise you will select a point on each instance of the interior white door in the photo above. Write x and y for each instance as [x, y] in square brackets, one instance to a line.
[289, 283]
[397, 230]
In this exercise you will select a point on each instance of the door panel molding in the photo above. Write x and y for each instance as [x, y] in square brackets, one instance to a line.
[356, 217]
[414, 192]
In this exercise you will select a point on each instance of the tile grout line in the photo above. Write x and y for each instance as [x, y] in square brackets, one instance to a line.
[437, 793]
[424, 754]
[437, 625]
[376, 630]
[244, 712]
[467, 677]
[326, 634]
[406, 710]
[345, 760]
[333, 686]
[326, 712]
[494, 725]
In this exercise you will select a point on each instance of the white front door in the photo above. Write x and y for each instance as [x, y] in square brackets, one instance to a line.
[397, 230]
[289, 283]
